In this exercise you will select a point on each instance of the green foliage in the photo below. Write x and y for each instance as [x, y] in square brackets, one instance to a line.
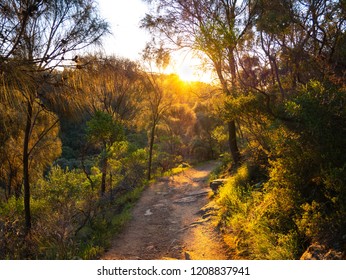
[96, 236]
[102, 128]
[13, 243]
[61, 205]
[274, 17]
[62, 186]
[301, 200]
[219, 135]
[134, 169]
[243, 104]
[221, 170]
[256, 222]
[321, 114]
[286, 95]
[70, 221]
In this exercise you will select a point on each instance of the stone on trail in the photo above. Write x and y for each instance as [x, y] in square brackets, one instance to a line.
[216, 184]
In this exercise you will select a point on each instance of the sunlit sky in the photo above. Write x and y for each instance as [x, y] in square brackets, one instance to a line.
[128, 40]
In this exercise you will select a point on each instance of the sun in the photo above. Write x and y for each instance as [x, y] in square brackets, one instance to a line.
[187, 74]
[189, 68]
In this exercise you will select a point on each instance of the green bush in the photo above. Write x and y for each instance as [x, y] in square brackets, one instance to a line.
[257, 223]
[70, 219]
[12, 245]
[303, 196]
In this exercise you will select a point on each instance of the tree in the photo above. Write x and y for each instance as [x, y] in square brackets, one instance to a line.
[301, 41]
[156, 105]
[36, 37]
[103, 130]
[215, 28]
[156, 101]
[177, 130]
[109, 84]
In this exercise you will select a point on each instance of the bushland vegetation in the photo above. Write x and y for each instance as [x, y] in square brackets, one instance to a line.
[281, 68]
[81, 135]
[90, 154]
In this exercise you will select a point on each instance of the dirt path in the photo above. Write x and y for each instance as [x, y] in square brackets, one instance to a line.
[172, 221]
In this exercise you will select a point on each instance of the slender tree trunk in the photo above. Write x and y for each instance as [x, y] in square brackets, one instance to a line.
[151, 148]
[8, 186]
[232, 132]
[274, 67]
[232, 139]
[26, 168]
[110, 182]
[104, 175]
[92, 184]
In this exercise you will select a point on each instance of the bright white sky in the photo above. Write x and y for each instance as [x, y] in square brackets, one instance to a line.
[128, 40]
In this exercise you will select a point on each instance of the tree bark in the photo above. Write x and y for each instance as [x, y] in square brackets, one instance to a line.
[104, 175]
[232, 139]
[232, 132]
[151, 148]
[26, 179]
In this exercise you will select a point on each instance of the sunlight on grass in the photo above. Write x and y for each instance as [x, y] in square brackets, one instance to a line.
[176, 170]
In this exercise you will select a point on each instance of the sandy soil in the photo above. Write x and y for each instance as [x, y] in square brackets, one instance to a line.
[172, 220]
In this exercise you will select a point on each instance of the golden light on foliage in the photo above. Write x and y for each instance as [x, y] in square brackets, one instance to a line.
[81, 135]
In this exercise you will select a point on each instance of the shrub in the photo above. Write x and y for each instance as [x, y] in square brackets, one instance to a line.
[258, 222]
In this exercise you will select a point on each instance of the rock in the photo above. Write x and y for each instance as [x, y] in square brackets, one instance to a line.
[198, 180]
[192, 196]
[148, 213]
[187, 256]
[216, 184]
[186, 199]
[320, 252]
[162, 193]
[211, 208]
[159, 205]
[201, 221]
[198, 193]
[150, 247]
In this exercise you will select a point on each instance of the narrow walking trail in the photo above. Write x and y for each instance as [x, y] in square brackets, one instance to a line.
[172, 220]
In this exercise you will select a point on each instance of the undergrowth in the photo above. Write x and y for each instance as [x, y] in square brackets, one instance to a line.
[256, 223]
[70, 219]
